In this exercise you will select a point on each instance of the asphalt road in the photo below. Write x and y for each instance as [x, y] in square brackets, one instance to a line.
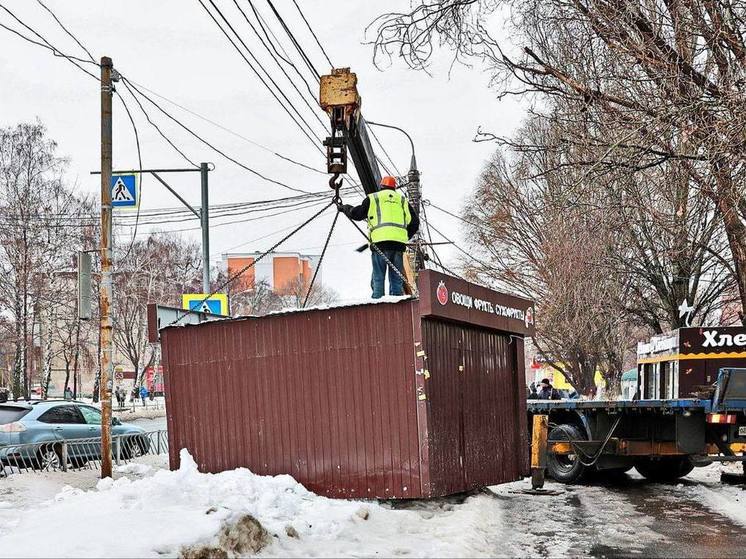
[696, 517]
[628, 517]
[157, 424]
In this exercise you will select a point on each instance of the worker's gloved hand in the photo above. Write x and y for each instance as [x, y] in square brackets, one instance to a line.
[345, 209]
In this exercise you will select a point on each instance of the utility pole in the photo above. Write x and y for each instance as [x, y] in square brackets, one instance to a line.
[414, 193]
[204, 220]
[106, 291]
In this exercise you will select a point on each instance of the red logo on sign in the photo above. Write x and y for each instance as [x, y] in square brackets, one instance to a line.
[442, 293]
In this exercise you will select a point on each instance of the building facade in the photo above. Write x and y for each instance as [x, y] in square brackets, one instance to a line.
[282, 272]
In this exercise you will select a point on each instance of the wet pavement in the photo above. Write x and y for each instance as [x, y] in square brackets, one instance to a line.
[688, 528]
[627, 518]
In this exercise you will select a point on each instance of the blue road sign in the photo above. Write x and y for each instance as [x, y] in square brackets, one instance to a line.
[216, 303]
[124, 191]
[212, 306]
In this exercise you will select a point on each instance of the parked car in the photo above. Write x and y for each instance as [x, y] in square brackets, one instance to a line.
[41, 425]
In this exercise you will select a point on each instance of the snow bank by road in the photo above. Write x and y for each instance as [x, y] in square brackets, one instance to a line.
[728, 500]
[158, 515]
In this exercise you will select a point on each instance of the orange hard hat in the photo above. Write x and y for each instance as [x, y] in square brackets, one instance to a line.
[389, 182]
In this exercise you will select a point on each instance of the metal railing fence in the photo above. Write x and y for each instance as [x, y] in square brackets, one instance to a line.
[66, 454]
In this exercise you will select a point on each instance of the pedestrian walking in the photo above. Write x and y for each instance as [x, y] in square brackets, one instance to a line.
[143, 395]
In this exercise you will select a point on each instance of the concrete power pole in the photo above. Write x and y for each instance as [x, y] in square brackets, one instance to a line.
[106, 291]
[414, 193]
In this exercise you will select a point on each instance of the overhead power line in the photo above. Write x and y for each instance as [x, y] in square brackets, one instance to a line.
[256, 260]
[208, 144]
[69, 33]
[275, 43]
[228, 130]
[297, 46]
[157, 128]
[308, 130]
[282, 68]
[74, 60]
[314, 34]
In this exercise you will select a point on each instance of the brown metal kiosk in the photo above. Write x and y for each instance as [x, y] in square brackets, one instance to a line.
[405, 399]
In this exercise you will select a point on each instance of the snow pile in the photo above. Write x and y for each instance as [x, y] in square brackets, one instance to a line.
[354, 302]
[170, 512]
[727, 500]
[133, 468]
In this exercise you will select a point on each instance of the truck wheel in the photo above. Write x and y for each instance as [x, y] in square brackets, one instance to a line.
[565, 468]
[666, 468]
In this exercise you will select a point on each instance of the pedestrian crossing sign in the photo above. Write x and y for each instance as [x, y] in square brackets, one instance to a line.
[124, 191]
[203, 302]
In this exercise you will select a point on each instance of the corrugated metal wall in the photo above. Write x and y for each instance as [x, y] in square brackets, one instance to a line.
[369, 401]
[477, 407]
[325, 396]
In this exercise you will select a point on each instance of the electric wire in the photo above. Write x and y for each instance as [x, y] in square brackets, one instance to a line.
[267, 30]
[139, 162]
[228, 130]
[282, 69]
[75, 61]
[47, 45]
[429, 233]
[464, 252]
[297, 46]
[66, 30]
[256, 260]
[237, 221]
[386, 153]
[313, 33]
[258, 75]
[157, 215]
[211, 146]
[157, 128]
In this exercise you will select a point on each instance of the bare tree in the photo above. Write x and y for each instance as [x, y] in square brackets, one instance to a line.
[39, 231]
[158, 269]
[661, 82]
[524, 236]
[295, 293]
[256, 299]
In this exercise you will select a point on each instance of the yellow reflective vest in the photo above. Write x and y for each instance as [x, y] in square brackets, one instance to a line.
[388, 216]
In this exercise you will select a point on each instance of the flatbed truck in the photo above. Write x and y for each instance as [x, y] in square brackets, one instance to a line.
[664, 439]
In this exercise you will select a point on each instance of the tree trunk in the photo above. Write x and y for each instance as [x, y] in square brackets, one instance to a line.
[67, 377]
[736, 232]
[48, 355]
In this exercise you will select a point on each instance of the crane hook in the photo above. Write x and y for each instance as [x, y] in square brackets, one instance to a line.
[335, 182]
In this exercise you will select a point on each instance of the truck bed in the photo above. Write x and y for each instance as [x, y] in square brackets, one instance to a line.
[677, 405]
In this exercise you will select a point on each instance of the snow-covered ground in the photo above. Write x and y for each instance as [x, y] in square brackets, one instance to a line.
[147, 511]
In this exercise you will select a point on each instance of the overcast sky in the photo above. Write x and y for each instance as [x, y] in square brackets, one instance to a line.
[174, 49]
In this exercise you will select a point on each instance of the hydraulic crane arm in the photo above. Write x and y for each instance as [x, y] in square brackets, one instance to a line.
[340, 99]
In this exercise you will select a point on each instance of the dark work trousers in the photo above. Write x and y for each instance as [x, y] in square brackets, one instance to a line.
[396, 285]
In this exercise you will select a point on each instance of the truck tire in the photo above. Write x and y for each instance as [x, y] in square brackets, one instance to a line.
[666, 468]
[565, 468]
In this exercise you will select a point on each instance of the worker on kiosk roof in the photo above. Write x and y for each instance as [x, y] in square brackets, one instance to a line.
[391, 223]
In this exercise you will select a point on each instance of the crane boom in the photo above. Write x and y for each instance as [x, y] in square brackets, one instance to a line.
[339, 97]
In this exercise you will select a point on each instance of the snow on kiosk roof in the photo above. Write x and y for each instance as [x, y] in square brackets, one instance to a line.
[410, 398]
